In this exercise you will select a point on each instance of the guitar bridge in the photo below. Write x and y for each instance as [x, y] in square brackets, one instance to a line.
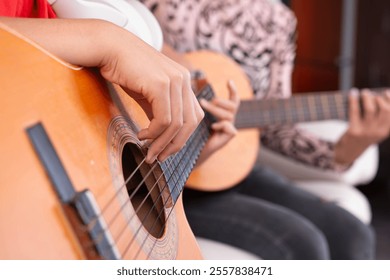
[94, 237]
[80, 208]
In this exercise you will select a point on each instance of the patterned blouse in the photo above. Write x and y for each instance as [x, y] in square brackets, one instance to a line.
[260, 36]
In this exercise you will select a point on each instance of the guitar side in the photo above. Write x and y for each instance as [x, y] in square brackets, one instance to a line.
[76, 110]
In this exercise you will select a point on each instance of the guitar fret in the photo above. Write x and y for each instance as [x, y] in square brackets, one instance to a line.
[320, 112]
[256, 108]
[295, 110]
[325, 106]
[311, 106]
[286, 108]
[339, 107]
[301, 109]
[283, 112]
[266, 116]
[333, 106]
[271, 111]
[274, 110]
[298, 105]
[306, 108]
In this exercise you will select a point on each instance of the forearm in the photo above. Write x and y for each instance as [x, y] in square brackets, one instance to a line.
[348, 149]
[76, 41]
[301, 146]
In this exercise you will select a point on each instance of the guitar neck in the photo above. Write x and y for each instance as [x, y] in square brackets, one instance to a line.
[303, 108]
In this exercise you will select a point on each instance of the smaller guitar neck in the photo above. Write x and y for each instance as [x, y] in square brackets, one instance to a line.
[300, 108]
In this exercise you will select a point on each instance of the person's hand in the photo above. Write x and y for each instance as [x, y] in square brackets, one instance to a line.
[162, 88]
[365, 128]
[224, 110]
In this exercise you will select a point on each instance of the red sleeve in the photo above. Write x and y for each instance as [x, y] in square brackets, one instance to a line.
[26, 8]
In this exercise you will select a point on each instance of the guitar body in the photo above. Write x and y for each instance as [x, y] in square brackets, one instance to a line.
[80, 118]
[231, 164]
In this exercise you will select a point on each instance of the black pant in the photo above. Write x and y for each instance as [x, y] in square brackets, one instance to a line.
[268, 216]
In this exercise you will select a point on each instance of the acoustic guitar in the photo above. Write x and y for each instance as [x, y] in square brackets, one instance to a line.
[231, 164]
[74, 183]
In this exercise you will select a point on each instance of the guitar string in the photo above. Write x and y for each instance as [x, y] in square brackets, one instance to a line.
[142, 202]
[98, 239]
[127, 201]
[118, 211]
[160, 233]
[92, 223]
[209, 92]
[205, 91]
[124, 185]
[154, 205]
[175, 185]
[162, 211]
[170, 160]
[204, 138]
[128, 246]
[100, 234]
[194, 148]
[94, 220]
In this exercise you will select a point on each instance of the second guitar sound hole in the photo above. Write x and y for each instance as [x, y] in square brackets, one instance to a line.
[143, 191]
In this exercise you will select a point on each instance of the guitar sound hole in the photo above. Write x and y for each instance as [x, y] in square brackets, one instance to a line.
[143, 191]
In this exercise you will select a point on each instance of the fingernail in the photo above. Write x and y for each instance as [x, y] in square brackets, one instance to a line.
[162, 159]
[354, 92]
[203, 101]
[150, 158]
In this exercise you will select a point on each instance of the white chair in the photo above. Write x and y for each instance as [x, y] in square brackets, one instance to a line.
[329, 185]
[214, 250]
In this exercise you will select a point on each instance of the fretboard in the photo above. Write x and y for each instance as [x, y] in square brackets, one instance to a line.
[178, 167]
[299, 108]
